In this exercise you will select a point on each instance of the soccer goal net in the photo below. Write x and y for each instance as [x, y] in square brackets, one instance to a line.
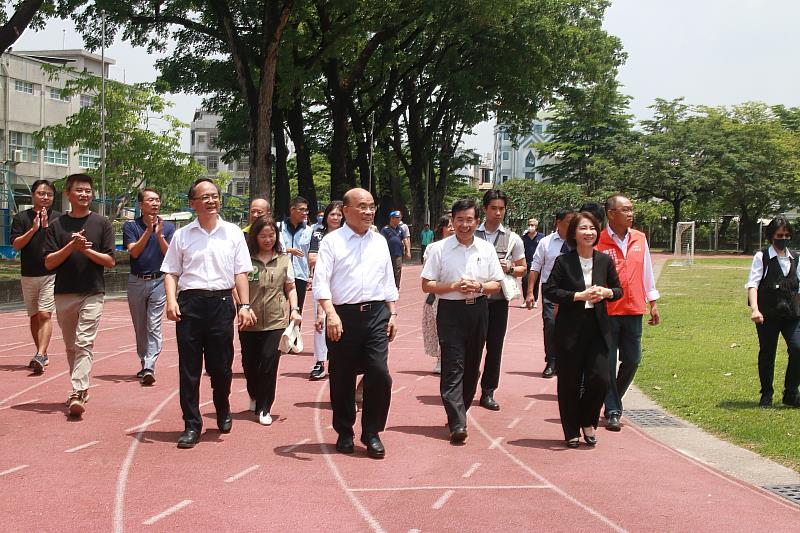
[684, 244]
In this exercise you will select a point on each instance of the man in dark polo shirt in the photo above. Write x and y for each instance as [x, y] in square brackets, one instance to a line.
[394, 238]
[146, 239]
[27, 236]
[79, 246]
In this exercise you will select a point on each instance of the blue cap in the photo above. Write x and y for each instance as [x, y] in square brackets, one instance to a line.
[394, 214]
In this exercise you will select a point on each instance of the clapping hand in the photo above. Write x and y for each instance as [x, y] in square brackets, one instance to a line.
[80, 243]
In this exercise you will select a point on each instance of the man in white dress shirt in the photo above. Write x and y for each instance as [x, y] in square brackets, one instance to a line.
[204, 262]
[354, 284]
[544, 258]
[462, 270]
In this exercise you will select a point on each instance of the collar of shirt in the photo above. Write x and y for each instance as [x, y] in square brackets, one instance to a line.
[455, 243]
[195, 224]
[292, 228]
[772, 253]
[613, 235]
[500, 229]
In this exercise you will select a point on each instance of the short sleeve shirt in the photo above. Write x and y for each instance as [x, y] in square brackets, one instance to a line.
[31, 256]
[394, 238]
[149, 261]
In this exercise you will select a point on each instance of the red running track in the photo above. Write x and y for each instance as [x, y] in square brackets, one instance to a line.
[118, 469]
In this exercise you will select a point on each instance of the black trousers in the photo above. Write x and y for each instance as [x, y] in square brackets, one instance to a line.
[301, 285]
[363, 347]
[587, 364]
[260, 358]
[205, 331]
[525, 286]
[495, 335]
[768, 333]
[462, 335]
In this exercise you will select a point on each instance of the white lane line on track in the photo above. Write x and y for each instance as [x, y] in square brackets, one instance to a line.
[414, 531]
[293, 447]
[408, 333]
[242, 473]
[398, 389]
[530, 404]
[421, 378]
[555, 488]
[54, 337]
[514, 423]
[450, 487]
[82, 446]
[438, 504]
[26, 402]
[10, 344]
[14, 469]
[124, 470]
[495, 443]
[471, 470]
[173, 366]
[206, 403]
[326, 453]
[141, 426]
[175, 508]
[534, 315]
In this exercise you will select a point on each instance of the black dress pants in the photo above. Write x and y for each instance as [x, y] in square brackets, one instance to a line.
[205, 331]
[260, 358]
[525, 286]
[587, 363]
[301, 285]
[768, 333]
[462, 335]
[495, 335]
[363, 347]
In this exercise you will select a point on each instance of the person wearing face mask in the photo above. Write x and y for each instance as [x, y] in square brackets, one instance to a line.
[530, 239]
[772, 292]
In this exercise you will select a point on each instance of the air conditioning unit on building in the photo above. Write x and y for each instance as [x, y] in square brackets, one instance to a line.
[16, 156]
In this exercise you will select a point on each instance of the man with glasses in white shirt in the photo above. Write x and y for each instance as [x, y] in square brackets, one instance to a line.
[296, 238]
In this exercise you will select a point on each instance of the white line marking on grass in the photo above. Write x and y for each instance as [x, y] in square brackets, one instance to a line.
[495, 443]
[122, 477]
[451, 487]
[175, 508]
[242, 473]
[438, 504]
[14, 469]
[530, 404]
[293, 447]
[471, 470]
[141, 426]
[20, 403]
[82, 446]
[513, 423]
[398, 389]
[326, 453]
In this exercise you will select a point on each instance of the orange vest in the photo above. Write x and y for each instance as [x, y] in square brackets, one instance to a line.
[630, 269]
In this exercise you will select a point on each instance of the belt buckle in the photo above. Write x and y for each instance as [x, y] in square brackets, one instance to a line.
[470, 300]
[148, 277]
[364, 307]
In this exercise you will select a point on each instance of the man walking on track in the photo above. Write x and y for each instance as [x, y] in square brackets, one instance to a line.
[296, 238]
[204, 262]
[27, 236]
[631, 254]
[511, 253]
[79, 246]
[146, 239]
[395, 239]
[355, 286]
[461, 270]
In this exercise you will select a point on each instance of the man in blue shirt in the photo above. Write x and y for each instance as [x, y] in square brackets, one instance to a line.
[394, 238]
[296, 239]
[147, 239]
[531, 240]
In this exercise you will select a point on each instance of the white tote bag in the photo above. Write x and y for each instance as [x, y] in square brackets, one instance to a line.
[291, 339]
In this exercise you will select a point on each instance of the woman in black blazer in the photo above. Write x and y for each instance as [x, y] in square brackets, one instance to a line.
[580, 282]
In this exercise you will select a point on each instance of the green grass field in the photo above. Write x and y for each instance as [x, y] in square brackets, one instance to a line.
[701, 362]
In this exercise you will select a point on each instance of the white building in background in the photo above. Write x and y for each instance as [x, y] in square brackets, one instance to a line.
[204, 150]
[31, 101]
[518, 157]
[481, 174]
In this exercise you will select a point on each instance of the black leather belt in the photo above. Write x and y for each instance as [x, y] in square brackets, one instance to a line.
[361, 308]
[149, 275]
[207, 294]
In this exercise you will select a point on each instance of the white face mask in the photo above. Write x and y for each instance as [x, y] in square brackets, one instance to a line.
[531, 228]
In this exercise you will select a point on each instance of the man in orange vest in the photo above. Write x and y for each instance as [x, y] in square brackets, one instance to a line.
[628, 248]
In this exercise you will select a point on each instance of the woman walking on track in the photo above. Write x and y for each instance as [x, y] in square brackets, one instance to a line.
[332, 219]
[271, 285]
[430, 339]
[772, 292]
[580, 283]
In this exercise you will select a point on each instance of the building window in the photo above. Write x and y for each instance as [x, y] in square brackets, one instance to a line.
[24, 143]
[201, 161]
[530, 175]
[87, 101]
[530, 160]
[55, 94]
[201, 138]
[55, 156]
[537, 128]
[89, 158]
[486, 175]
[243, 166]
[213, 163]
[503, 178]
[23, 86]
[242, 188]
[506, 156]
[212, 141]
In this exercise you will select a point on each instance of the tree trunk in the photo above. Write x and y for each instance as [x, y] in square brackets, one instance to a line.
[676, 217]
[281, 207]
[305, 175]
[12, 30]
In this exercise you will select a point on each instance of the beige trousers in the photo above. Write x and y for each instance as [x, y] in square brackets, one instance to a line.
[78, 317]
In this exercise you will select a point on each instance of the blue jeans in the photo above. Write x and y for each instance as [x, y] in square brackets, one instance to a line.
[549, 323]
[626, 336]
[146, 301]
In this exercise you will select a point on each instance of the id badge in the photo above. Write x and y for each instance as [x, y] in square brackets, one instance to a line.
[254, 275]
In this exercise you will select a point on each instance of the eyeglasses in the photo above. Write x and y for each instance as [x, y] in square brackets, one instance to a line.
[301, 209]
[207, 197]
[44, 194]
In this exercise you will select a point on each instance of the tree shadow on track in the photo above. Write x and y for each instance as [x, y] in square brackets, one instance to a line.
[417, 372]
[16, 368]
[542, 444]
[309, 448]
[432, 432]
[543, 397]
[430, 400]
[50, 408]
[117, 378]
[526, 374]
[315, 405]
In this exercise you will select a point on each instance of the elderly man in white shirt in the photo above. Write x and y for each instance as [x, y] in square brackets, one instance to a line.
[461, 270]
[204, 262]
[354, 285]
[550, 247]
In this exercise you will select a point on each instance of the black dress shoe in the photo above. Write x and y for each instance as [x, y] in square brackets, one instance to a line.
[458, 435]
[766, 401]
[487, 402]
[548, 371]
[591, 440]
[374, 446]
[791, 401]
[573, 443]
[344, 444]
[188, 438]
[225, 423]
[612, 423]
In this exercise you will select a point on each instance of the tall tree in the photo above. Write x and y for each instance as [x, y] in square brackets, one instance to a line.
[12, 28]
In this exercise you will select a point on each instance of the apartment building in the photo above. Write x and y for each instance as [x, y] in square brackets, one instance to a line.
[517, 157]
[204, 150]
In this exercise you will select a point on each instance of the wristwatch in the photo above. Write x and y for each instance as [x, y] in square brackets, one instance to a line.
[244, 306]
[295, 308]
[481, 289]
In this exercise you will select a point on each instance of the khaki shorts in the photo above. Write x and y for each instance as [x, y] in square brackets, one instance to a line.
[37, 291]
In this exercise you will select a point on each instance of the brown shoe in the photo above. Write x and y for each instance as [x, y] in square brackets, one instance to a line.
[77, 403]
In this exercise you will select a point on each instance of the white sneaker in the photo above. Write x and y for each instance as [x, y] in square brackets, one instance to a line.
[438, 368]
[252, 405]
[265, 419]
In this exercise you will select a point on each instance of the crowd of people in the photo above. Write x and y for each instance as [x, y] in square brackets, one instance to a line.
[597, 283]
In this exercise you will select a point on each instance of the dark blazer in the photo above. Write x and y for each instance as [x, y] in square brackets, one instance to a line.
[565, 280]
